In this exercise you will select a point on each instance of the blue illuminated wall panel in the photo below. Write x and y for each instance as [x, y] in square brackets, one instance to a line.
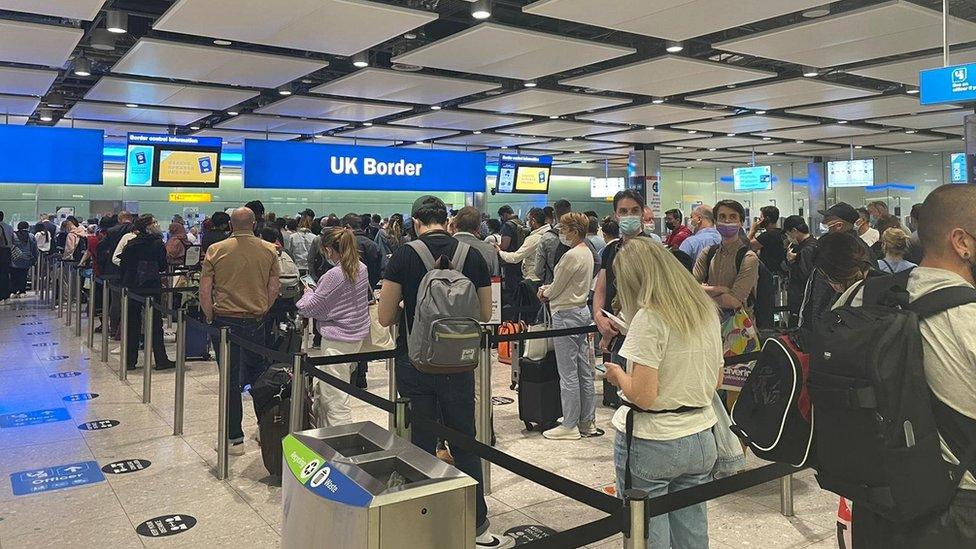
[46, 155]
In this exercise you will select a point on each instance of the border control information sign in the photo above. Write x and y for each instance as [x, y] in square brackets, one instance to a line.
[955, 84]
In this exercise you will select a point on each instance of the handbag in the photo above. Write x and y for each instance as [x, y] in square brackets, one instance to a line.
[537, 349]
[380, 338]
[739, 336]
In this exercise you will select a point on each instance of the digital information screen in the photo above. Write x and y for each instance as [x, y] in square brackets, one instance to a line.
[157, 160]
[523, 174]
[850, 173]
[752, 178]
[606, 187]
[42, 155]
[957, 167]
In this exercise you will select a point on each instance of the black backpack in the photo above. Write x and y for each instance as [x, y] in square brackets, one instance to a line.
[80, 248]
[59, 241]
[877, 423]
[519, 233]
[762, 299]
[561, 250]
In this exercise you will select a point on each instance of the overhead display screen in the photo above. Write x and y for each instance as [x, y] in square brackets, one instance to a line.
[850, 173]
[752, 178]
[948, 85]
[957, 167]
[42, 155]
[606, 187]
[156, 160]
[523, 174]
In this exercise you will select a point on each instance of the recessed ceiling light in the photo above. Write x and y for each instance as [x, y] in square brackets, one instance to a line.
[194, 127]
[83, 66]
[842, 121]
[284, 90]
[131, 105]
[530, 84]
[910, 131]
[116, 21]
[692, 132]
[730, 135]
[481, 9]
[760, 113]
[221, 42]
[435, 107]
[657, 100]
[476, 132]
[232, 113]
[361, 60]
[45, 115]
[367, 124]
[767, 138]
[673, 46]
[911, 90]
[858, 146]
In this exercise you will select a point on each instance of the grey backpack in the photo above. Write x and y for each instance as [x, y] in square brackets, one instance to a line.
[445, 337]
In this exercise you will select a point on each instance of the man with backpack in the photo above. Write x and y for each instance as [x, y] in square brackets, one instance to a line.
[76, 241]
[550, 249]
[513, 234]
[444, 397]
[912, 399]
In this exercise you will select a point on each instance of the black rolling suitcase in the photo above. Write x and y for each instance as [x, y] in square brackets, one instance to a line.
[538, 393]
[271, 394]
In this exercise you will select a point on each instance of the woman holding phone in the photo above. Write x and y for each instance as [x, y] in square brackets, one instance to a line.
[339, 302]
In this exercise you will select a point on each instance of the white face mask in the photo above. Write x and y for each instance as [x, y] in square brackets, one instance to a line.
[564, 241]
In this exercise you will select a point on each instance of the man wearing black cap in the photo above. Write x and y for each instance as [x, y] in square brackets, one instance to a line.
[448, 399]
[840, 218]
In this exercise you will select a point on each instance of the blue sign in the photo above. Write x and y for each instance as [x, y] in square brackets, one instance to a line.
[957, 167]
[55, 478]
[36, 417]
[79, 397]
[526, 159]
[330, 484]
[948, 85]
[289, 165]
[45, 155]
[173, 140]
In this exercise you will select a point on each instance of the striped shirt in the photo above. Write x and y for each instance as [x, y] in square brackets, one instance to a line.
[340, 305]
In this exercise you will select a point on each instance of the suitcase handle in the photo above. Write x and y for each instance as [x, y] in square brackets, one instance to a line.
[739, 432]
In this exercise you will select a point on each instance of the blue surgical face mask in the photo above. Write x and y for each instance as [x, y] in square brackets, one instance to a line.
[630, 225]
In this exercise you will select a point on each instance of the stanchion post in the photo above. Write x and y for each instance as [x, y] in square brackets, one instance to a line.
[391, 373]
[147, 345]
[91, 316]
[179, 395]
[78, 287]
[105, 314]
[401, 418]
[786, 496]
[484, 408]
[635, 503]
[59, 290]
[69, 282]
[297, 412]
[169, 297]
[124, 343]
[222, 403]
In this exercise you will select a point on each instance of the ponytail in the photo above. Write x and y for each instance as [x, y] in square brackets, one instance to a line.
[343, 243]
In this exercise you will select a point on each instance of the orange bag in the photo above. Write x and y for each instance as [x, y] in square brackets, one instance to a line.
[505, 347]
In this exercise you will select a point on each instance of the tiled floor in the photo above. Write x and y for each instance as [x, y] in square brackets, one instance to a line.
[245, 510]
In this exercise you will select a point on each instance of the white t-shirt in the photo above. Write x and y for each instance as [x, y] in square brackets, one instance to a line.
[871, 236]
[948, 347]
[687, 370]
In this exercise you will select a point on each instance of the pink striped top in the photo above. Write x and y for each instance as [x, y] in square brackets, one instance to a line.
[340, 305]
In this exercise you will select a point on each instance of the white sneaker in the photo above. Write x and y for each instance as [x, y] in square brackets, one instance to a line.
[589, 430]
[114, 350]
[562, 432]
[236, 449]
[494, 541]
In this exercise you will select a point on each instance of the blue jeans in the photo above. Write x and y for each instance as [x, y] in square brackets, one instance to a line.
[448, 399]
[574, 360]
[662, 466]
[245, 367]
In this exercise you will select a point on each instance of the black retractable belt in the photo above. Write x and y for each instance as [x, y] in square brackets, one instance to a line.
[630, 430]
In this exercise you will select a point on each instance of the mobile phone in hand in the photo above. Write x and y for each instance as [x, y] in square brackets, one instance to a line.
[308, 281]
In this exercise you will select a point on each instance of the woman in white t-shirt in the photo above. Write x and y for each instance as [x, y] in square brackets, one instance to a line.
[674, 352]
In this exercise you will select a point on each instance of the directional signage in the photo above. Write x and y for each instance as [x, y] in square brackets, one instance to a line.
[99, 424]
[36, 417]
[55, 478]
[166, 525]
[126, 466]
[80, 396]
[948, 85]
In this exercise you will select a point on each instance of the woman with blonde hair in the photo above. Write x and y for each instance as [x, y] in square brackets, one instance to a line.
[299, 243]
[673, 350]
[566, 297]
[339, 303]
[895, 244]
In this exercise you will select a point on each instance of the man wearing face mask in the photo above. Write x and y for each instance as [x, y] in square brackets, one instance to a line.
[703, 225]
[730, 285]
[647, 218]
[677, 231]
[551, 248]
[799, 264]
[876, 210]
[865, 227]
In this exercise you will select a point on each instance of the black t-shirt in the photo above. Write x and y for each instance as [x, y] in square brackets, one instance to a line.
[773, 252]
[607, 255]
[407, 269]
[508, 229]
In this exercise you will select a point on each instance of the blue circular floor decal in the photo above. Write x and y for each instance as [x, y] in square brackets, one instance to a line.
[166, 525]
[80, 396]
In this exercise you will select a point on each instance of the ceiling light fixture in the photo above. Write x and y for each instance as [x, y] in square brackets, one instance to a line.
[476, 132]
[657, 100]
[568, 139]
[117, 22]
[712, 150]
[842, 121]
[553, 117]
[419, 143]
[816, 12]
[132, 105]
[55, 99]
[911, 90]
[799, 142]
[909, 132]
[649, 128]
[232, 113]
[858, 146]
[221, 42]
[367, 124]
[194, 128]
[673, 46]
[692, 132]
[361, 60]
[680, 148]
[410, 36]
[435, 107]
[481, 9]
[767, 138]
[810, 72]
[730, 135]
[760, 113]
[46, 115]
[908, 152]
[102, 40]
[83, 66]
[770, 154]
[530, 83]
[284, 90]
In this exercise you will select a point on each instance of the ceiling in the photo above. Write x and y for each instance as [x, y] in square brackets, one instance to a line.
[553, 76]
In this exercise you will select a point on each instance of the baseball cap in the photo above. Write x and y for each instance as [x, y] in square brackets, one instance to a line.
[841, 210]
[427, 202]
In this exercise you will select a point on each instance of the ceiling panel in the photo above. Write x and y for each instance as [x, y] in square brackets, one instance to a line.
[667, 75]
[890, 28]
[35, 44]
[111, 129]
[723, 142]
[390, 85]
[704, 155]
[906, 71]
[576, 145]
[785, 93]
[926, 121]
[708, 164]
[954, 130]
[824, 131]
[14, 120]
[85, 10]
[164, 59]
[765, 158]
[871, 108]
[562, 128]
[19, 81]
[653, 115]
[237, 137]
[845, 153]
[142, 115]
[489, 140]
[786, 148]
[510, 52]
[648, 136]
[883, 139]
[745, 124]
[18, 104]
[337, 109]
[672, 19]
[441, 147]
[946, 145]
[334, 140]
[396, 133]
[281, 124]
[140, 92]
[460, 120]
[544, 102]
[585, 157]
[342, 27]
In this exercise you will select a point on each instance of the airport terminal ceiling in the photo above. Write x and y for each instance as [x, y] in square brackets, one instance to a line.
[705, 84]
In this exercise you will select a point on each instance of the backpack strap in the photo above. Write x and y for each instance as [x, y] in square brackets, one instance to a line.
[424, 252]
[460, 256]
[938, 301]
[709, 255]
[890, 290]
[890, 268]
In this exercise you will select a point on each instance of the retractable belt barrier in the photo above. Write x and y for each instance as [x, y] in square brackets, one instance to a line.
[543, 335]
[270, 354]
[356, 357]
[210, 330]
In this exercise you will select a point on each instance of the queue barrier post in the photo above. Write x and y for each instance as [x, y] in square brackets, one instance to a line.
[296, 413]
[391, 373]
[401, 418]
[124, 343]
[179, 395]
[90, 342]
[223, 367]
[58, 289]
[169, 297]
[105, 322]
[635, 505]
[484, 408]
[147, 328]
[78, 287]
[69, 282]
[786, 496]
